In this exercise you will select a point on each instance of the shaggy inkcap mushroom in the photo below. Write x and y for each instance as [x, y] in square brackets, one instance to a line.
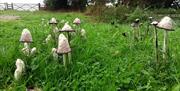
[166, 23]
[53, 21]
[63, 45]
[20, 68]
[26, 36]
[77, 21]
[67, 28]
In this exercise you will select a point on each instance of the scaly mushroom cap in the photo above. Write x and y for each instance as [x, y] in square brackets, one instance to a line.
[166, 23]
[77, 21]
[53, 21]
[67, 28]
[26, 36]
[63, 45]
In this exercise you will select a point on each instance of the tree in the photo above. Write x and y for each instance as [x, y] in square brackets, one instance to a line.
[56, 4]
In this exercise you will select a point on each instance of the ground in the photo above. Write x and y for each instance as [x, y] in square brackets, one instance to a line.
[105, 60]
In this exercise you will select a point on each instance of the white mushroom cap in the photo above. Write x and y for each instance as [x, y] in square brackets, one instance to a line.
[77, 21]
[26, 36]
[63, 45]
[83, 32]
[166, 23]
[67, 28]
[54, 50]
[154, 23]
[53, 21]
[55, 55]
[33, 50]
[20, 64]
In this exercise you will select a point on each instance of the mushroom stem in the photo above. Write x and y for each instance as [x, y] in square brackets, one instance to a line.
[165, 45]
[28, 47]
[69, 37]
[156, 45]
[65, 61]
[69, 58]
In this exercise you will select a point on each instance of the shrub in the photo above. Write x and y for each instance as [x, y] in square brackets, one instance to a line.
[137, 13]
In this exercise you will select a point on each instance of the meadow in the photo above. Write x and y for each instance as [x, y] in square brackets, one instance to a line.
[104, 61]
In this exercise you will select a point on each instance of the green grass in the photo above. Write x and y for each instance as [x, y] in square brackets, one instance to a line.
[105, 61]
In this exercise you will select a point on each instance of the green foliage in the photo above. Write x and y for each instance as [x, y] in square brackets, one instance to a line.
[137, 13]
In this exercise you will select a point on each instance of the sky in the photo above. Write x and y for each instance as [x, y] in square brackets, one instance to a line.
[22, 1]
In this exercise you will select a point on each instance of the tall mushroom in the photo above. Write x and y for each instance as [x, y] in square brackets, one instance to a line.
[135, 26]
[64, 49]
[166, 23]
[20, 68]
[77, 21]
[67, 28]
[155, 23]
[148, 25]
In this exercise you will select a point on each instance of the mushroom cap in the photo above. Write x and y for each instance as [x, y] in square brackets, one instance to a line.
[83, 32]
[53, 21]
[77, 21]
[166, 23]
[67, 28]
[26, 36]
[154, 23]
[136, 20]
[20, 64]
[33, 50]
[63, 45]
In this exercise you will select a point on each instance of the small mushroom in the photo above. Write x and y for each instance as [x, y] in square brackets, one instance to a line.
[135, 25]
[26, 36]
[33, 51]
[77, 21]
[48, 38]
[166, 23]
[67, 28]
[83, 33]
[155, 23]
[54, 53]
[20, 68]
[64, 49]
[53, 21]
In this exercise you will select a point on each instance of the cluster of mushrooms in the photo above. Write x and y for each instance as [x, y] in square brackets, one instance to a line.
[63, 47]
[166, 23]
[26, 39]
